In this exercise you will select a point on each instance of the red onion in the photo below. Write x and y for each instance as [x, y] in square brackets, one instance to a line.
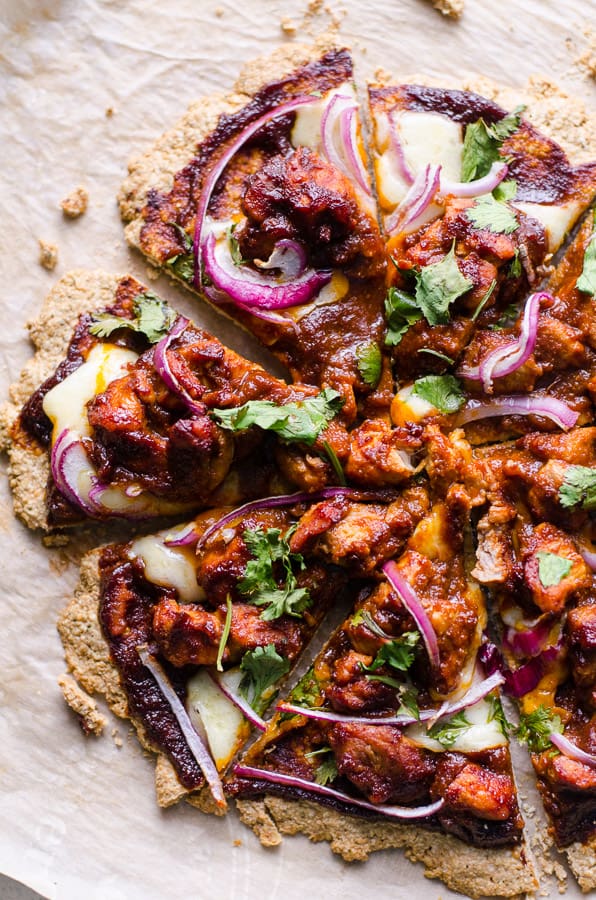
[589, 557]
[287, 256]
[162, 367]
[413, 605]
[219, 297]
[238, 700]
[530, 641]
[506, 359]
[340, 115]
[568, 748]
[407, 217]
[484, 185]
[216, 172]
[404, 170]
[67, 461]
[193, 739]
[527, 677]
[247, 287]
[491, 658]
[185, 538]
[394, 812]
[520, 405]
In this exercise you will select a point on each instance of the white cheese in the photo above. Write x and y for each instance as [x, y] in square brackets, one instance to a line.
[482, 735]
[307, 123]
[333, 292]
[222, 722]
[168, 566]
[556, 220]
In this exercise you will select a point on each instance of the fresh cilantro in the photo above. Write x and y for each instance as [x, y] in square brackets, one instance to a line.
[307, 692]
[408, 698]
[552, 568]
[492, 215]
[234, 246]
[515, 269]
[535, 728]
[401, 312]
[300, 421]
[183, 235]
[262, 667]
[587, 280]
[271, 560]
[579, 488]
[442, 356]
[225, 634]
[326, 772]
[438, 286]
[506, 190]
[153, 318]
[484, 300]
[363, 617]
[369, 363]
[335, 463]
[497, 714]
[507, 319]
[182, 265]
[398, 653]
[447, 733]
[312, 753]
[441, 391]
[482, 143]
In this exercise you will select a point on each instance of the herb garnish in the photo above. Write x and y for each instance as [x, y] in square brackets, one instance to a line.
[579, 488]
[447, 733]
[492, 215]
[484, 300]
[401, 312]
[225, 634]
[552, 568]
[262, 667]
[534, 729]
[397, 653]
[326, 772]
[153, 318]
[482, 143]
[444, 392]
[369, 363]
[438, 286]
[442, 356]
[273, 562]
[587, 280]
[307, 692]
[497, 714]
[506, 190]
[183, 264]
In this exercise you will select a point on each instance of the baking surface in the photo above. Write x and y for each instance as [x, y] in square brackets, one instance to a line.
[84, 84]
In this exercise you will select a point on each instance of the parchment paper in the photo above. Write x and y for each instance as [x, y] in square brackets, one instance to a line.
[78, 816]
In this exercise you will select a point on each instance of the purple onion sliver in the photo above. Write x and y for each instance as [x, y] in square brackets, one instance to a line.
[193, 739]
[240, 702]
[349, 136]
[341, 111]
[519, 405]
[530, 641]
[186, 538]
[589, 557]
[506, 359]
[491, 658]
[395, 812]
[289, 257]
[484, 185]
[521, 681]
[412, 603]
[162, 366]
[67, 459]
[404, 170]
[568, 748]
[416, 201]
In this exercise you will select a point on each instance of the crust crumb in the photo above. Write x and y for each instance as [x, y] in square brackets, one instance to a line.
[48, 255]
[116, 738]
[219, 11]
[85, 707]
[237, 843]
[451, 8]
[152, 273]
[109, 112]
[254, 814]
[587, 61]
[288, 26]
[75, 204]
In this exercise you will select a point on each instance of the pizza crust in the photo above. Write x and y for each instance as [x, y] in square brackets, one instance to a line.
[582, 862]
[470, 870]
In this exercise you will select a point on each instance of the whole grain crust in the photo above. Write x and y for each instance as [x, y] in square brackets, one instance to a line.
[475, 872]
[582, 862]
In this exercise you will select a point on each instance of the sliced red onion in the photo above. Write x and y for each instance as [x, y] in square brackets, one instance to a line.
[221, 164]
[589, 557]
[520, 405]
[408, 215]
[340, 117]
[404, 170]
[289, 257]
[476, 693]
[568, 748]
[219, 297]
[491, 658]
[193, 739]
[484, 185]
[394, 812]
[530, 641]
[162, 367]
[238, 700]
[247, 287]
[187, 537]
[67, 461]
[412, 603]
[506, 359]
[527, 677]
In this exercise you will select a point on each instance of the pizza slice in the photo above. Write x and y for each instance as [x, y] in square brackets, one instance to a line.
[141, 413]
[533, 368]
[474, 202]
[536, 556]
[189, 631]
[397, 724]
[261, 202]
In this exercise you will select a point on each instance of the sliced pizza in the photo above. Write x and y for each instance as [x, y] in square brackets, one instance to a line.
[268, 213]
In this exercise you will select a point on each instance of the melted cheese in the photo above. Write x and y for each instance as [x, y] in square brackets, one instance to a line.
[167, 566]
[544, 693]
[409, 407]
[66, 403]
[556, 220]
[482, 735]
[333, 292]
[307, 123]
[222, 722]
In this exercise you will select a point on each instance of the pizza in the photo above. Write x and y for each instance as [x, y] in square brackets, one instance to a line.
[424, 266]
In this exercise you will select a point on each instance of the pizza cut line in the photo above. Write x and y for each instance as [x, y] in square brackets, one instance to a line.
[430, 465]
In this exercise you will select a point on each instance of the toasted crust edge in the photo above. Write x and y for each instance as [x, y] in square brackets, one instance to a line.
[470, 870]
[582, 862]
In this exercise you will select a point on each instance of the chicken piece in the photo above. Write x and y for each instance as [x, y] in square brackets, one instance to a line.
[495, 558]
[381, 455]
[350, 691]
[547, 539]
[483, 793]
[581, 628]
[383, 764]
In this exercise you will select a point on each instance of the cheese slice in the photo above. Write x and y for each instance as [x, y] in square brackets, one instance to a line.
[484, 733]
[308, 119]
[223, 724]
[556, 220]
[169, 567]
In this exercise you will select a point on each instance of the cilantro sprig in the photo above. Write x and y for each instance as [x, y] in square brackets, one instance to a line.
[369, 362]
[269, 578]
[552, 568]
[587, 280]
[398, 653]
[401, 312]
[579, 488]
[482, 143]
[262, 667]
[492, 215]
[152, 318]
[446, 732]
[535, 728]
[444, 392]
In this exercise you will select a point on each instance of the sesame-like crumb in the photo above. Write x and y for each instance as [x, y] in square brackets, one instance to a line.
[109, 112]
[237, 842]
[451, 8]
[48, 255]
[75, 204]
[288, 26]
[219, 11]
[152, 273]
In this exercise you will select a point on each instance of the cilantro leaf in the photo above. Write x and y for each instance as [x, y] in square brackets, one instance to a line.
[552, 568]
[183, 265]
[497, 714]
[442, 356]
[235, 253]
[506, 190]
[307, 692]
[224, 634]
[482, 143]
[447, 732]
[300, 421]
[534, 729]
[438, 286]
[262, 667]
[579, 488]
[492, 215]
[272, 562]
[326, 772]
[184, 236]
[398, 653]
[587, 280]
[369, 363]
[153, 318]
[401, 312]
[441, 391]
[507, 319]
[484, 300]
[408, 697]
